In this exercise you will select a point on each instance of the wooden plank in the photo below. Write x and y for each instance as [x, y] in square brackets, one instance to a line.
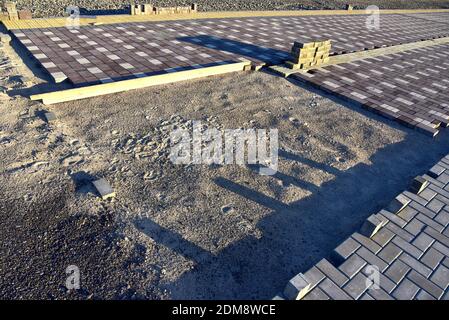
[120, 86]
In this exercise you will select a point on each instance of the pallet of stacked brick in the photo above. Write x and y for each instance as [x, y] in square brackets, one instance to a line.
[309, 54]
[11, 10]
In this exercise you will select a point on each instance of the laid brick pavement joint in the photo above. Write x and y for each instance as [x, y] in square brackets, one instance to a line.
[406, 258]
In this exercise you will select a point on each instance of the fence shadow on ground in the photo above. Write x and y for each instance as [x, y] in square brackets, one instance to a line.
[295, 236]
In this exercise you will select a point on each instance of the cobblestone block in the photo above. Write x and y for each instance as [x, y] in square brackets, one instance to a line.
[331, 272]
[356, 286]
[425, 284]
[432, 258]
[333, 291]
[352, 265]
[297, 287]
[397, 271]
[406, 290]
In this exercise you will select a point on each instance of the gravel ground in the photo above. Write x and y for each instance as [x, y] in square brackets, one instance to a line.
[196, 231]
[45, 8]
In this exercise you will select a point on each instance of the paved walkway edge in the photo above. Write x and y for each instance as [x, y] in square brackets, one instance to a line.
[402, 252]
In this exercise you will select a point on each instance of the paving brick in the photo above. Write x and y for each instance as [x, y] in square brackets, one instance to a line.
[435, 171]
[371, 226]
[427, 194]
[366, 296]
[432, 258]
[352, 265]
[422, 210]
[407, 214]
[425, 284]
[418, 184]
[366, 242]
[397, 271]
[316, 294]
[104, 188]
[333, 291]
[407, 247]
[371, 258]
[393, 217]
[389, 253]
[415, 264]
[429, 222]
[297, 287]
[423, 295]
[441, 248]
[314, 276]
[331, 272]
[435, 205]
[442, 218]
[441, 277]
[423, 241]
[406, 290]
[399, 203]
[402, 233]
[383, 236]
[356, 286]
[379, 294]
[446, 262]
[344, 250]
[415, 227]
[437, 236]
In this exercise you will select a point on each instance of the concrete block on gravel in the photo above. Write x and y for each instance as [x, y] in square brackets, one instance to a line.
[297, 287]
[104, 189]
[418, 185]
[372, 225]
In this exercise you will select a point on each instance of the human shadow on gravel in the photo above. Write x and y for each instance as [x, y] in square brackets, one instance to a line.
[295, 236]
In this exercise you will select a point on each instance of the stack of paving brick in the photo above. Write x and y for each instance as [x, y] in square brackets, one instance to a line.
[310, 54]
[11, 10]
[401, 253]
[176, 10]
[148, 9]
